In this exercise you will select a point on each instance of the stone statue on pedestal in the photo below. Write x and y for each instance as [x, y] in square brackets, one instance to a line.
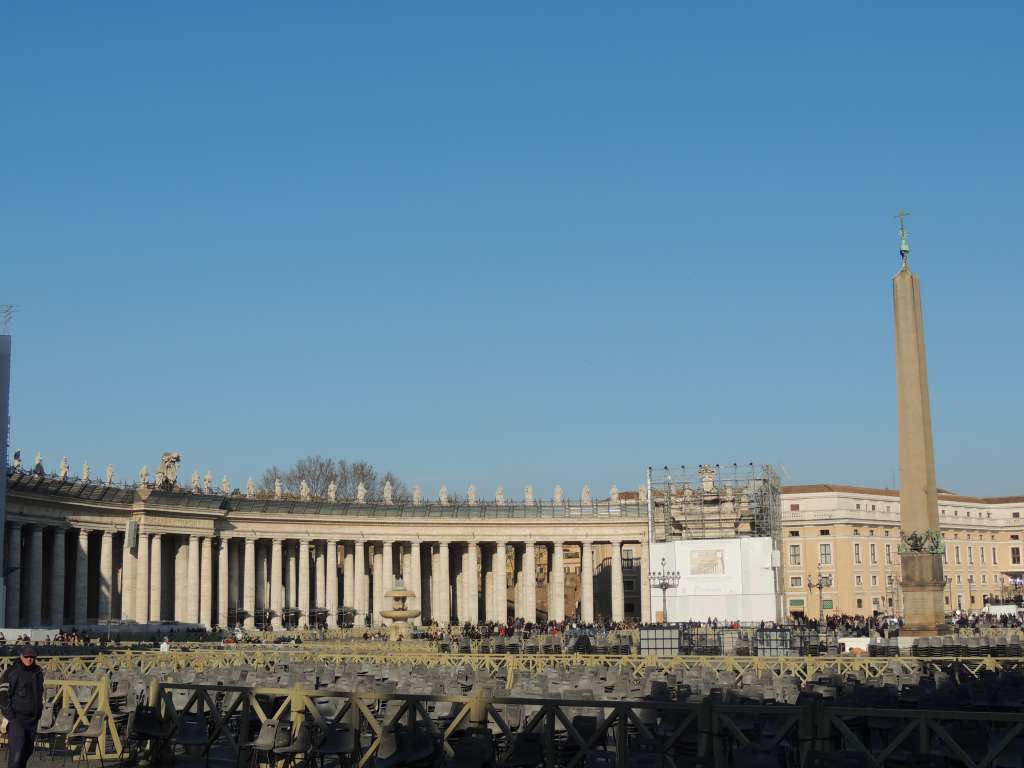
[361, 492]
[37, 467]
[528, 495]
[499, 496]
[388, 492]
[144, 477]
[167, 474]
[613, 495]
[558, 497]
[85, 471]
[225, 485]
[442, 495]
[250, 489]
[304, 491]
[332, 491]
[110, 474]
[65, 468]
[208, 482]
[585, 497]
[417, 496]
[278, 494]
[195, 481]
[471, 494]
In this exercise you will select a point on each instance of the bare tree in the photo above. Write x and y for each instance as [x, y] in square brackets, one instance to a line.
[319, 472]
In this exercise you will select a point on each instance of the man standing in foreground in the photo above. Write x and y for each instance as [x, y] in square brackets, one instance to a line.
[21, 700]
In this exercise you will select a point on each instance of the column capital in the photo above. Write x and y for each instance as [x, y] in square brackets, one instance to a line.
[107, 534]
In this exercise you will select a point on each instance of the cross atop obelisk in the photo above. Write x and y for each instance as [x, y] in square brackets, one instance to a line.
[904, 244]
[921, 547]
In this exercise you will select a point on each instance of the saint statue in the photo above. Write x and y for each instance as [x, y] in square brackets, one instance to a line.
[388, 492]
[64, 468]
[208, 482]
[144, 477]
[417, 495]
[442, 495]
[195, 481]
[613, 495]
[37, 467]
[471, 494]
[360, 492]
[110, 474]
[17, 461]
[225, 485]
[250, 489]
[528, 495]
[559, 497]
[85, 472]
[499, 496]
[332, 491]
[167, 475]
[585, 497]
[304, 491]
[277, 488]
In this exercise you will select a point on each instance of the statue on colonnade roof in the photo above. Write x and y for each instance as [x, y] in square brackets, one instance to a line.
[167, 474]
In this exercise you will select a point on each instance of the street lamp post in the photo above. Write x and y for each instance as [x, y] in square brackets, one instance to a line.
[664, 580]
[824, 581]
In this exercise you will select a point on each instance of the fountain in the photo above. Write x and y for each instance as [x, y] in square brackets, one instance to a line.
[399, 613]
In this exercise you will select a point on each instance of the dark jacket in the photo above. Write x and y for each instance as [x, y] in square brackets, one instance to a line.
[21, 692]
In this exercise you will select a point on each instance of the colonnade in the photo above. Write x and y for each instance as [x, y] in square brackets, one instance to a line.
[229, 578]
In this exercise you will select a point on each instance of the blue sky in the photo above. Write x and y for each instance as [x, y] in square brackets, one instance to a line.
[510, 246]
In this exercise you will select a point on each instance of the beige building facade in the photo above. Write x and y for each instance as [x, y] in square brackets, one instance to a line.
[851, 536]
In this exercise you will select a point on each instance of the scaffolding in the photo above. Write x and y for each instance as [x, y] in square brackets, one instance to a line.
[716, 501]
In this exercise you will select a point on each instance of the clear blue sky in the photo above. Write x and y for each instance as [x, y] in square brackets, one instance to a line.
[535, 243]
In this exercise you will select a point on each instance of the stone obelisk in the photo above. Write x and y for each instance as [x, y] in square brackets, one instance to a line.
[921, 548]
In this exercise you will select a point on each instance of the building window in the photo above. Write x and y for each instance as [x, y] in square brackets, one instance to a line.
[984, 579]
[1014, 555]
[981, 553]
[875, 603]
[796, 581]
[888, 554]
[956, 552]
[959, 579]
[872, 507]
[995, 560]
[947, 599]
[858, 506]
[794, 507]
[1016, 514]
[888, 508]
[628, 585]
[970, 555]
[871, 553]
[794, 554]
[871, 531]
[858, 580]
[825, 554]
[794, 533]
[856, 553]
[945, 555]
[972, 599]
[874, 580]
[824, 532]
[860, 603]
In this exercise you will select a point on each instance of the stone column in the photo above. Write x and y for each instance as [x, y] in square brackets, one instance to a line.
[304, 583]
[223, 576]
[645, 582]
[530, 582]
[261, 577]
[276, 603]
[129, 578]
[57, 578]
[234, 577]
[487, 574]
[444, 594]
[517, 581]
[35, 578]
[155, 577]
[193, 580]
[14, 576]
[206, 612]
[82, 578]
[180, 586]
[142, 587]
[388, 548]
[293, 569]
[587, 582]
[923, 580]
[106, 575]
[349, 583]
[472, 582]
[378, 583]
[331, 552]
[618, 596]
[359, 581]
[249, 583]
[500, 569]
[321, 573]
[414, 579]
[556, 605]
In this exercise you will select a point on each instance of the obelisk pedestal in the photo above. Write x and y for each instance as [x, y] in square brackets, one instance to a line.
[921, 547]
